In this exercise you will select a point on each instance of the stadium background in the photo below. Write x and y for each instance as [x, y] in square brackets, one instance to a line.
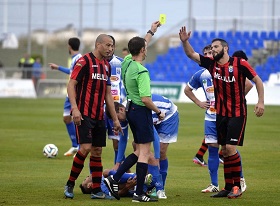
[42, 28]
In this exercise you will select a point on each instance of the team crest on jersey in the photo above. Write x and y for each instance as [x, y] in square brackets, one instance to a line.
[230, 68]
[204, 81]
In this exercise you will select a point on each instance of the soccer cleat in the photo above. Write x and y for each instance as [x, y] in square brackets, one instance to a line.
[148, 179]
[101, 195]
[152, 193]
[68, 191]
[199, 161]
[243, 184]
[235, 192]
[211, 188]
[72, 151]
[222, 193]
[161, 194]
[142, 198]
[113, 186]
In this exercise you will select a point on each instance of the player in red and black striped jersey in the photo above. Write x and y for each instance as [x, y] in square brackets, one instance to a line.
[229, 75]
[89, 86]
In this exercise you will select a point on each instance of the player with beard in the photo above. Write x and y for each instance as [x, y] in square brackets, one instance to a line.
[229, 75]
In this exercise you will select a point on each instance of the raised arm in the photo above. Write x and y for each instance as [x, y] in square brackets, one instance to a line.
[152, 31]
[184, 37]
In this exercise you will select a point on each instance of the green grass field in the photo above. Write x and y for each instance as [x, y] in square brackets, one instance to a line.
[29, 178]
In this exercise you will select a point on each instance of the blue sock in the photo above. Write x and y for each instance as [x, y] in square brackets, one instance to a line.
[126, 165]
[156, 144]
[122, 146]
[163, 170]
[213, 164]
[72, 133]
[241, 173]
[141, 171]
[157, 179]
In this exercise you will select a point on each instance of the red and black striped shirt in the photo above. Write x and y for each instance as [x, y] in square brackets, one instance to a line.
[93, 76]
[229, 84]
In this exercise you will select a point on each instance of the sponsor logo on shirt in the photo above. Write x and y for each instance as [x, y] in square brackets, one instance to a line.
[224, 78]
[116, 98]
[114, 92]
[118, 70]
[210, 89]
[99, 76]
[114, 78]
[94, 65]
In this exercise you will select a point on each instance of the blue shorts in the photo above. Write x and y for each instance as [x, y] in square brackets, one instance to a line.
[67, 107]
[168, 130]
[141, 123]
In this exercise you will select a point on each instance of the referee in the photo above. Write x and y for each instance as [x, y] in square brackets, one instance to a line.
[139, 109]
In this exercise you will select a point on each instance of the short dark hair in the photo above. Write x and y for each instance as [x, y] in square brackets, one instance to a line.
[85, 190]
[206, 48]
[223, 42]
[135, 45]
[241, 54]
[114, 41]
[74, 43]
[117, 108]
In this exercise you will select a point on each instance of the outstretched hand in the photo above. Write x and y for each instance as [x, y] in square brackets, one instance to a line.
[154, 26]
[184, 35]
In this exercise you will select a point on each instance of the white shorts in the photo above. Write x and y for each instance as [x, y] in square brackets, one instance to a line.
[210, 139]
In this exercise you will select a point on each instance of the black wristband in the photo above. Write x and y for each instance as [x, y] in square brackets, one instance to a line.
[159, 113]
[150, 32]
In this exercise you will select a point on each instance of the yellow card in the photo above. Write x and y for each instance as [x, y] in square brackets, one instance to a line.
[162, 18]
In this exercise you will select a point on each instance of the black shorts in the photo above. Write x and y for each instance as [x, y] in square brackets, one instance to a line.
[92, 131]
[231, 130]
[141, 123]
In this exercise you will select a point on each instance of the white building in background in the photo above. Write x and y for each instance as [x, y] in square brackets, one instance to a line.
[88, 35]
[9, 41]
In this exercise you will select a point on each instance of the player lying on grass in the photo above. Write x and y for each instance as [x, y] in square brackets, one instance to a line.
[126, 185]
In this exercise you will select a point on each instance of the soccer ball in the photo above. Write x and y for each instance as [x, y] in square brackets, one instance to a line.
[50, 151]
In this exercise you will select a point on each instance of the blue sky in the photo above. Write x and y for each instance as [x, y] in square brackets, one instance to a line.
[131, 14]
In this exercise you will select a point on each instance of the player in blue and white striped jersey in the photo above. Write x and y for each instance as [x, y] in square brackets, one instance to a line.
[118, 93]
[73, 47]
[166, 131]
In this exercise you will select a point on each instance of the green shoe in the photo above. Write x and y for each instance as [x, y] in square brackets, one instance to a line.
[153, 193]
